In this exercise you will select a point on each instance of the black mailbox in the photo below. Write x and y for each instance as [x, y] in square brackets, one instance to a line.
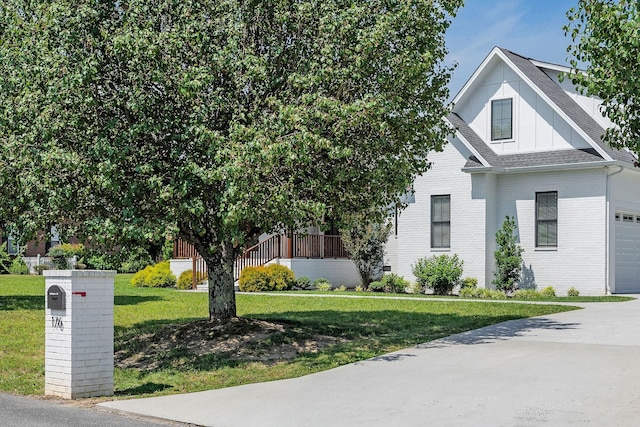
[55, 298]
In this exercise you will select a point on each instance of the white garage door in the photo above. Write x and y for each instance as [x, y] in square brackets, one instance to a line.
[627, 253]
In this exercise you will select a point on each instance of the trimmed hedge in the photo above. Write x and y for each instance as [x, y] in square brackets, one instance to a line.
[155, 276]
[274, 277]
[185, 280]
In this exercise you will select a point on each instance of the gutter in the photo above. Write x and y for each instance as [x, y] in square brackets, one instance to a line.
[561, 166]
[477, 169]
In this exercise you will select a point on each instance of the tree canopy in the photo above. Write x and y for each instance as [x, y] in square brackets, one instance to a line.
[605, 36]
[223, 118]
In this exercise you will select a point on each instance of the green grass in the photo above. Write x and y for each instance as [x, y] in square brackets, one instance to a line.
[365, 327]
[606, 298]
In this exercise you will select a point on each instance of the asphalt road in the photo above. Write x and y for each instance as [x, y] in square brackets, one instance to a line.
[18, 411]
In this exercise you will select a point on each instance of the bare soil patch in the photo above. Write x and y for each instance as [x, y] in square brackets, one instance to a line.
[235, 340]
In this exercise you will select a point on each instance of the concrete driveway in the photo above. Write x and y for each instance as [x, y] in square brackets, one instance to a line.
[567, 369]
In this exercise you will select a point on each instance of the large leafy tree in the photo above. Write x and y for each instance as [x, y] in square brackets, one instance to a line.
[605, 36]
[224, 118]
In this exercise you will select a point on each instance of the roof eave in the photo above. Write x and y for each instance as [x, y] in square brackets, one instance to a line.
[479, 169]
[562, 166]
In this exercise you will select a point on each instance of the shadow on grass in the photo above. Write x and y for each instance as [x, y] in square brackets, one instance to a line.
[134, 299]
[35, 302]
[146, 388]
[349, 336]
[22, 302]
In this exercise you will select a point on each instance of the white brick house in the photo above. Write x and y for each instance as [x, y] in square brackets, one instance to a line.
[529, 146]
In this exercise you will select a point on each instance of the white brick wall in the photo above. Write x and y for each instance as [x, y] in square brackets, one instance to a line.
[467, 215]
[338, 271]
[179, 266]
[579, 259]
[479, 204]
[79, 339]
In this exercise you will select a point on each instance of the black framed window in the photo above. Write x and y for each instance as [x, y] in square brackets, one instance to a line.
[441, 221]
[547, 219]
[501, 119]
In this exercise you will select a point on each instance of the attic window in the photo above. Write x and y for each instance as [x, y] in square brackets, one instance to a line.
[501, 119]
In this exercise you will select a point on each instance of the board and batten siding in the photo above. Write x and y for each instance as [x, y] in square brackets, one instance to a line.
[467, 215]
[536, 125]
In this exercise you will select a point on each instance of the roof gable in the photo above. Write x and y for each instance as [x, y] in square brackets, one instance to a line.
[565, 104]
[576, 120]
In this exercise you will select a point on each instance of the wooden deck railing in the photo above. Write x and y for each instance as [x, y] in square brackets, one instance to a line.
[278, 246]
[260, 254]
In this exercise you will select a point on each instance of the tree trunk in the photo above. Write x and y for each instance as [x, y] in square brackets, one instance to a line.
[222, 296]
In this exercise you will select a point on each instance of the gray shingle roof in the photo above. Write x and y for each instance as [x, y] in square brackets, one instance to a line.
[569, 106]
[550, 158]
[519, 160]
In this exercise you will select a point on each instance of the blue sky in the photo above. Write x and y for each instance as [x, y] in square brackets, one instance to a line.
[531, 28]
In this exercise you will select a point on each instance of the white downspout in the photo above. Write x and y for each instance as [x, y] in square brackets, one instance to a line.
[607, 284]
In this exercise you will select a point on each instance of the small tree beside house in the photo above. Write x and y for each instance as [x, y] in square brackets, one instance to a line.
[364, 241]
[508, 257]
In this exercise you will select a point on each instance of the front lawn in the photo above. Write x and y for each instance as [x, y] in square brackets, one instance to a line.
[164, 343]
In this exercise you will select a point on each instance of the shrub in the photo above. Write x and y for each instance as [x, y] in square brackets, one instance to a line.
[376, 287]
[481, 293]
[492, 294]
[161, 276]
[254, 279]
[303, 282]
[342, 288]
[274, 277]
[18, 266]
[394, 283]
[573, 292]
[359, 288]
[439, 272]
[548, 292]
[282, 277]
[469, 293]
[527, 294]
[508, 256]
[322, 284]
[469, 282]
[155, 276]
[185, 280]
[415, 288]
[62, 252]
[140, 278]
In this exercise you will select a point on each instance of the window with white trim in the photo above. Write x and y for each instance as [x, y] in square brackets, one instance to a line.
[13, 248]
[501, 119]
[547, 219]
[441, 221]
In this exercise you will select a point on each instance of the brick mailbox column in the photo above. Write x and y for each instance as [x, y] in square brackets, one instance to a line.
[78, 333]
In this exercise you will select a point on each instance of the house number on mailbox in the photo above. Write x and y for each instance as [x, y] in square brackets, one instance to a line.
[56, 322]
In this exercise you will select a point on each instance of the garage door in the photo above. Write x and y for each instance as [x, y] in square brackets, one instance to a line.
[627, 253]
